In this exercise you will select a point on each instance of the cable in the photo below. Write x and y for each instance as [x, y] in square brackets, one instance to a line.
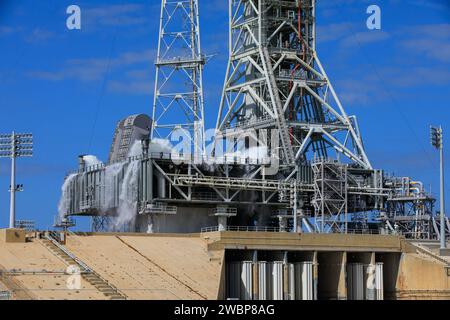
[102, 92]
[389, 93]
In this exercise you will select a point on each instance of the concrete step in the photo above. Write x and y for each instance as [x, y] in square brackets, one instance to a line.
[105, 288]
[92, 281]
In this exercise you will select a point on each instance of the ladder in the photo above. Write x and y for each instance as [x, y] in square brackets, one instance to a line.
[87, 273]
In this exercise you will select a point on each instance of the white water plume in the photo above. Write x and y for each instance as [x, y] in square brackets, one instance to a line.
[119, 179]
[110, 180]
[127, 209]
[160, 145]
[91, 160]
[64, 201]
[128, 196]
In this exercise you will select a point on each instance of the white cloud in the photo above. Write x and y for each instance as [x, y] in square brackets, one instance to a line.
[366, 37]
[135, 82]
[432, 40]
[333, 32]
[39, 35]
[5, 30]
[115, 15]
[432, 4]
[93, 69]
[366, 86]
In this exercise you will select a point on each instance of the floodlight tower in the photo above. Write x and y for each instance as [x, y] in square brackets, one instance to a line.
[437, 141]
[178, 97]
[276, 81]
[13, 146]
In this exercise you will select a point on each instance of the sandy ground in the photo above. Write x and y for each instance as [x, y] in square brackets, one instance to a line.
[152, 267]
[33, 272]
[142, 267]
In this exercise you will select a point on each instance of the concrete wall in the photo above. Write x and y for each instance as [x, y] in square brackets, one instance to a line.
[303, 242]
[186, 220]
[13, 235]
[406, 273]
[420, 277]
[181, 266]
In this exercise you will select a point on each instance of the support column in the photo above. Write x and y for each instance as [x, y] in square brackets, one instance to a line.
[315, 274]
[282, 222]
[371, 280]
[342, 286]
[12, 190]
[285, 276]
[222, 221]
[255, 276]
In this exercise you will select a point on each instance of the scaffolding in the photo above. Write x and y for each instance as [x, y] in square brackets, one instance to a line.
[330, 198]
[178, 97]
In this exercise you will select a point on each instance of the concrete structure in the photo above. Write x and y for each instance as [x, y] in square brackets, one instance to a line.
[193, 266]
[12, 235]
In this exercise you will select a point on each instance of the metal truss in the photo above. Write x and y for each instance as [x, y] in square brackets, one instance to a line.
[330, 198]
[437, 225]
[225, 189]
[178, 97]
[275, 80]
[276, 91]
[101, 224]
[409, 210]
[336, 196]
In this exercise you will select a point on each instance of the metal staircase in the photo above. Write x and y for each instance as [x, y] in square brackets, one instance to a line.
[102, 285]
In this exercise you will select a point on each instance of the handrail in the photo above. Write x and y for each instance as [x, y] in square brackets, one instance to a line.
[67, 252]
[243, 229]
[274, 229]
[89, 270]
[5, 295]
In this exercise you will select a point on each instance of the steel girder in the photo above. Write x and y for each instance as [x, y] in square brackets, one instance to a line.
[274, 74]
[178, 107]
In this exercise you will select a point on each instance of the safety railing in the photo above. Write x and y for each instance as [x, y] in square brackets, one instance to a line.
[159, 208]
[243, 229]
[364, 231]
[51, 236]
[5, 295]
[28, 225]
[277, 229]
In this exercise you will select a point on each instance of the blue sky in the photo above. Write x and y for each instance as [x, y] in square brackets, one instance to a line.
[71, 87]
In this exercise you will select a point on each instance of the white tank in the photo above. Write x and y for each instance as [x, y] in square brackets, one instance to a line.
[263, 280]
[277, 284]
[355, 281]
[379, 286]
[304, 282]
[247, 280]
[291, 282]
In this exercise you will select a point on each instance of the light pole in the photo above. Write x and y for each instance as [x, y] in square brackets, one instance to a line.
[13, 146]
[437, 140]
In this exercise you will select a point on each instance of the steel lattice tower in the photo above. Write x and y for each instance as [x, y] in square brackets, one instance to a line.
[178, 97]
[275, 80]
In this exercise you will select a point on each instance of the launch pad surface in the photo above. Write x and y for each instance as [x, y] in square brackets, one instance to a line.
[194, 266]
